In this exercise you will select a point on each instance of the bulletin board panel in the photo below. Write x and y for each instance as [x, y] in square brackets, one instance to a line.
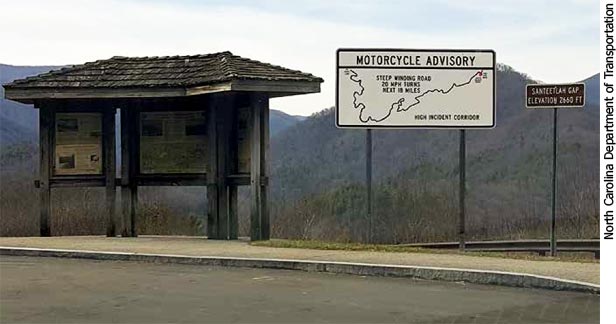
[172, 142]
[78, 144]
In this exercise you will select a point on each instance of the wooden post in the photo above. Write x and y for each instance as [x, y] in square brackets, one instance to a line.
[212, 171]
[46, 134]
[223, 130]
[125, 170]
[265, 157]
[134, 203]
[233, 168]
[259, 213]
[220, 123]
[255, 168]
[135, 162]
[233, 220]
[130, 137]
[109, 168]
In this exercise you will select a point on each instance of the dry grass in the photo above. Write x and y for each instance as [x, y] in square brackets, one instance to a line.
[320, 245]
[81, 211]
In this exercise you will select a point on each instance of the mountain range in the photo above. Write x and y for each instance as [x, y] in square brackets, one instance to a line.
[315, 153]
[315, 165]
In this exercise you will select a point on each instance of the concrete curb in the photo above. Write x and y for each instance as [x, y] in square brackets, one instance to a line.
[489, 277]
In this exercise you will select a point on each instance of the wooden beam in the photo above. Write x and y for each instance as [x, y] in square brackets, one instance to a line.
[208, 89]
[187, 179]
[259, 213]
[196, 179]
[27, 95]
[46, 134]
[72, 182]
[109, 169]
[279, 88]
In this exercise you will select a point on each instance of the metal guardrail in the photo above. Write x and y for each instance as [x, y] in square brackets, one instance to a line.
[539, 246]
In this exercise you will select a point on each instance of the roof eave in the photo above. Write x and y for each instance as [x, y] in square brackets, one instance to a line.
[275, 88]
[278, 88]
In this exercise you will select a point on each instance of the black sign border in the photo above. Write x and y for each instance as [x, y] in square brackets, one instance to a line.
[554, 85]
[416, 50]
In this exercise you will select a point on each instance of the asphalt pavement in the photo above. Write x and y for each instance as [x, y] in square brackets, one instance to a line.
[43, 290]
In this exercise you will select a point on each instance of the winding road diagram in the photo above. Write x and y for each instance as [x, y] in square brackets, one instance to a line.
[398, 105]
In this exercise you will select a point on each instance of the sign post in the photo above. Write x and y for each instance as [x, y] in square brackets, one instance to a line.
[406, 88]
[369, 182]
[462, 191]
[554, 183]
[555, 96]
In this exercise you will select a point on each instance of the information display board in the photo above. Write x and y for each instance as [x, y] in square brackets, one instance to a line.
[173, 142]
[78, 144]
[399, 88]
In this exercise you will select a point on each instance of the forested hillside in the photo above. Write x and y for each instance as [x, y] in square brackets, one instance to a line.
[317, 178]
[318, 175]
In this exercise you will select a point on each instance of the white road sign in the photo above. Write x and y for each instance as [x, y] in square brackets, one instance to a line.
[393, 88]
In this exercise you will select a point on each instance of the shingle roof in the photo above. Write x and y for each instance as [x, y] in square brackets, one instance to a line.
[160, 72]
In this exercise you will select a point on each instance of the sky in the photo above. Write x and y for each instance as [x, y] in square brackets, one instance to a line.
[554, 41]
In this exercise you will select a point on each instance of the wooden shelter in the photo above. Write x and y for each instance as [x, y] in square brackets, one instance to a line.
[199, 120]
